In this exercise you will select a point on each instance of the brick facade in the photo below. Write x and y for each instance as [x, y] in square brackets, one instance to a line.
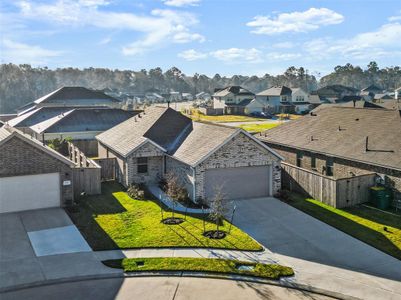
[342, 168]
[19, 158]
[241, 151]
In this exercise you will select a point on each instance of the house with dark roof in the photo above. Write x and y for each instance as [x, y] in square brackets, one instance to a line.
[334, 93]
[232, 100]
[373, 89]
[71, 112]
[32, 175]
[75, 96]
[204, 156]
[336, 153]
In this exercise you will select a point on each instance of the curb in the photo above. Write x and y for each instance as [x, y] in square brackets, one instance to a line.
[281, 282]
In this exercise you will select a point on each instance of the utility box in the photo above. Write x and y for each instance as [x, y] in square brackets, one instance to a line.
[380, 197]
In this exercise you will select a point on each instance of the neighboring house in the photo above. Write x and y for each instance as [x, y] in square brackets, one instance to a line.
[203, 96]
[80, 124]
[32, 175]
[232, 99]
[175, 96]
[187, 97]
[6, 117]
[71, 96]
[300, 100]
[382, 97]
[336, 153]
[273, 100]
[334, 93]
[204, 156]
[374, 89]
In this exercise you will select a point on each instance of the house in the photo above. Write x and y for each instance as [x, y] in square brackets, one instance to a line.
[334, 93]
[273, 100]
[187, 97]
[374, 89]
[203, 96]
[80, 124]
[382, 97]
[32, 175]
[336, 153]
[232, 99]
[300, 99]
[203, 156]
[71, 96]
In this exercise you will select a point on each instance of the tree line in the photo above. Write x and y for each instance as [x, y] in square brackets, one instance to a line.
[20, 84]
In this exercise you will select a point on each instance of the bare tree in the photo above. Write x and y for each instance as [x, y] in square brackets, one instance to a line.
[174, 190]
[218, 207]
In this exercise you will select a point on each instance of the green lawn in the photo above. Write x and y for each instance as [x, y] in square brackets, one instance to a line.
[256, 128]
[363, 223]
[113, 220]
[210, 265]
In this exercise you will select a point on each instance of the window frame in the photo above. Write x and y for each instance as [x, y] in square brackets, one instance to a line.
[142, 167]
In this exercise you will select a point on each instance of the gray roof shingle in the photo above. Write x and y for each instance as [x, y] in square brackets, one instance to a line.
[383, 127]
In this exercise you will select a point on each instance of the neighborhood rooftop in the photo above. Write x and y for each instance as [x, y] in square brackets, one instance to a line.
[236, 90]
[275, 91]
[345, 132]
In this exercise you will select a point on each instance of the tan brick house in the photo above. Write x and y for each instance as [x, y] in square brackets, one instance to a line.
[161, 140]
[341, 143]
[32, 175]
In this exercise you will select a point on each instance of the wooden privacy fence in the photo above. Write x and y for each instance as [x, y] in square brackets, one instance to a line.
[86, 174]
[108, 168]
[338, 193]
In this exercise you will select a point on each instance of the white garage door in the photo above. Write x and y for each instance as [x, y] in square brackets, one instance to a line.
[242, 182]
[19, 193]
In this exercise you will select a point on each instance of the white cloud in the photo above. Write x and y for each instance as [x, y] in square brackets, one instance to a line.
[20, 53]
[161, 27]
[368, 45]
[238, 55]
[192, 55]
[395, 18]
[180, 3]
[305, 21]
[284, 45]
[277, 56]
[105, 41]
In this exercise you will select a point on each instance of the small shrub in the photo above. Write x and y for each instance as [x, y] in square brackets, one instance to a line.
[136, 191]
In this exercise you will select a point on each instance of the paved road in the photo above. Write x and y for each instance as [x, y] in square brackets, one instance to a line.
[321, 255]
[163, 288]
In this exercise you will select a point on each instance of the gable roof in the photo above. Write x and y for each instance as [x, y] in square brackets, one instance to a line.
[235, 89]
[161, 125]
[372, 87]
[382, 127]
[335, 90]
[383, 96]
[83, 119]
[37, 115]
[275, 91]
[7, 132]
[68, 93]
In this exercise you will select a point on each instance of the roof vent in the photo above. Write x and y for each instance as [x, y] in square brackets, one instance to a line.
[357, 119]
[312, 138]
[340, 129]
[313, 114]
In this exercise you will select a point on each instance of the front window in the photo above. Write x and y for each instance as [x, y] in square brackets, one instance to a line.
[142, 164]
[300, 98]
[284, 98]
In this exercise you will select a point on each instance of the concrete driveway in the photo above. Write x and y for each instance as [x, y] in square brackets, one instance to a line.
[320, 254]
[19, 264]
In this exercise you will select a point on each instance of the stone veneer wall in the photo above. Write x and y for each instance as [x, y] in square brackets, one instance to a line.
[342, 168]
[241, 151]
[20, 158]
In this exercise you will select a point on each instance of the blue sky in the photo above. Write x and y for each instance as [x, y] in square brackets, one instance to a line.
[205, 36]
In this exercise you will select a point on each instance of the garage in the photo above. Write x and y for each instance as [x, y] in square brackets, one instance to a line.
[19, 193]
[240, 182]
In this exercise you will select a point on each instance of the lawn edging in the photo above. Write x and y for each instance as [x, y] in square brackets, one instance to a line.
[203, 265]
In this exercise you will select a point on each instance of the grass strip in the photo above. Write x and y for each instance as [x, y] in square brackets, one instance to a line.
[208, 265]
